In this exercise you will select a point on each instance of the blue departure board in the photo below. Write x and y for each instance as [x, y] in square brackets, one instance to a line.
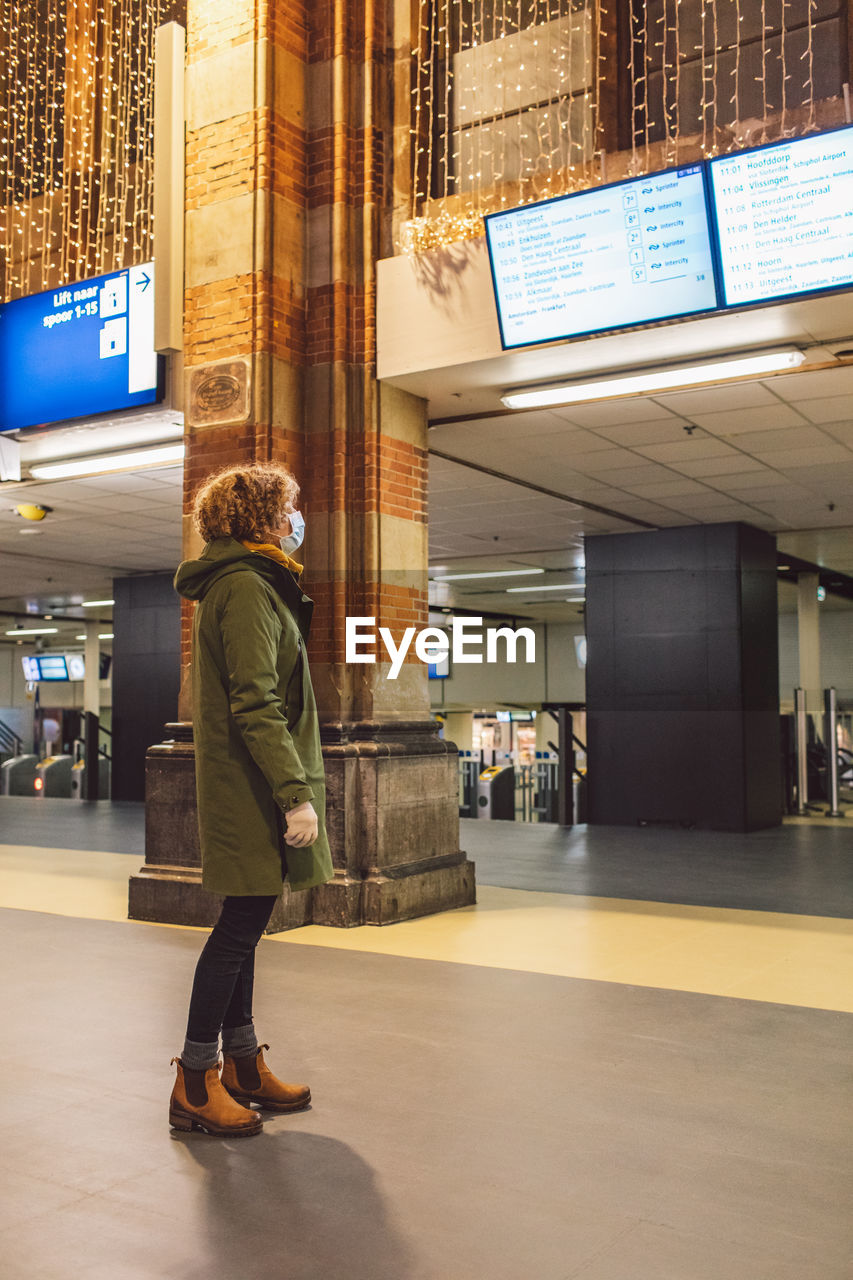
[607, 258]
[784, 217]
[52, 667]
[84, 349]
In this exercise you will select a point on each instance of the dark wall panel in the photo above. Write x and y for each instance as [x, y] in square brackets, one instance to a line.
[682, 677]
[146, 674]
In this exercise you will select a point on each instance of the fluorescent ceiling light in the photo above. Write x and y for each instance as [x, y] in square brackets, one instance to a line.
[107, 635]
[494, 573]
[556, 586]
[655, 380]
[134, 460]
[95, 604]
[33, 631]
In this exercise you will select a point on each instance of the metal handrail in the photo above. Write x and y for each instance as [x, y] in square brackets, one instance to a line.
[9, 740]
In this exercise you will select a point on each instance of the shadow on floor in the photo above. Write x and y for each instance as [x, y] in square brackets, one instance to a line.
[292, 1204]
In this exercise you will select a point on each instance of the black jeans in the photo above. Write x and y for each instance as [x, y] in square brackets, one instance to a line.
[225, 973]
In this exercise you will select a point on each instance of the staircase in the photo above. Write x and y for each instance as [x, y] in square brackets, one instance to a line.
[10, 743]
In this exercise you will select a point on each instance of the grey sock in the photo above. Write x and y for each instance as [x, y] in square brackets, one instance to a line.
[200, 1055]
[240, 1042]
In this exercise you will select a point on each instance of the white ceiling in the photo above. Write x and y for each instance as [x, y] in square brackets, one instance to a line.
[774, 453]
[99, 529]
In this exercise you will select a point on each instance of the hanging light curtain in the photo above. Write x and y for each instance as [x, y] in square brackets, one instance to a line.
[77, 111]
[507, 95]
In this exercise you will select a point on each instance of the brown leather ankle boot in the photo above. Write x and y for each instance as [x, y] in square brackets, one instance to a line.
[199, 1101]
[249, 1079]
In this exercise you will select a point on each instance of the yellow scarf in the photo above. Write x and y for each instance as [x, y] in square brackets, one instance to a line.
[275, 553]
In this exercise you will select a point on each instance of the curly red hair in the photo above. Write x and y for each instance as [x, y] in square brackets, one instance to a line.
[245, 502]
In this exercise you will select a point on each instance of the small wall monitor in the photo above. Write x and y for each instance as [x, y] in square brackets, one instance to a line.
[83, 349]
[784, 216]
[76, 666]
[57, 666]
[52, 667]
[31, 669]
[611, 257]
[62, 666]
[439, 670]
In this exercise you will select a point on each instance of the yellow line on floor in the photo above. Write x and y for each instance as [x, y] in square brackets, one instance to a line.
[816, 820]
[755, 955]
[66, 882]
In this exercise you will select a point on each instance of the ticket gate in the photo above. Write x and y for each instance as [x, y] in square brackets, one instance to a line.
[17, 775]
[53, 777]
[496, 793]
[78, 779]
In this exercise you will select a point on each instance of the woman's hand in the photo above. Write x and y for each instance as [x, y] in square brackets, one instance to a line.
[302, 825]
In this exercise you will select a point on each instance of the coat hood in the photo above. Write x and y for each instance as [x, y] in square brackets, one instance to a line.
[194, 578]
[222, 556]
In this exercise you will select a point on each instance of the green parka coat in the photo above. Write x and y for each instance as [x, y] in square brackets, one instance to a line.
[255, 727]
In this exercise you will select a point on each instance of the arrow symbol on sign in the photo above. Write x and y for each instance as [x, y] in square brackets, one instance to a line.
[144, 281]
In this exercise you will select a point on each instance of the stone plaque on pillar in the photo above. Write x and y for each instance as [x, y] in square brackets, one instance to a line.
[219, 394]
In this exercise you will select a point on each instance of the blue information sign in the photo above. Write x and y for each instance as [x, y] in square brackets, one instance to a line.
[83, 349]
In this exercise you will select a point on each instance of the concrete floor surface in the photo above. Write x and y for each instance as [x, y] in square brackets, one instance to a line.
[469, 1123]
[805, 868]
[792, 868]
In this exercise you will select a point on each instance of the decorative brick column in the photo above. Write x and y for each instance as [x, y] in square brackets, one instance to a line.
[288, 197]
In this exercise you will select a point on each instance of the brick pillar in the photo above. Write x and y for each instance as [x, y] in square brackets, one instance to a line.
[288, 133]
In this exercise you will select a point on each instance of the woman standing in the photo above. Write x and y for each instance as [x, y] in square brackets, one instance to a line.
[259, 779]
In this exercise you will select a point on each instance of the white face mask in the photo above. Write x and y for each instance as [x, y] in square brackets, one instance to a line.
[293, 541]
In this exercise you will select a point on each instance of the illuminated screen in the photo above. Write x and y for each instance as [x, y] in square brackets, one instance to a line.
[613, 256]
[76, 666]
[31, 669]
[83, 349]
[784, 218]
[52, 667]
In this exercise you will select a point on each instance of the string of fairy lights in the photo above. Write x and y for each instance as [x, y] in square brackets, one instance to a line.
[505, 110]
[506, 96]
[77, 124]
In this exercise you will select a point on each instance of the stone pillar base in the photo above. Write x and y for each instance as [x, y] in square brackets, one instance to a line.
[168, 896]
[414, 890]
[392, 819]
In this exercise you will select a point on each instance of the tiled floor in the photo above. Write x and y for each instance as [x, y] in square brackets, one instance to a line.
[113, 827]
[558, 1083]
